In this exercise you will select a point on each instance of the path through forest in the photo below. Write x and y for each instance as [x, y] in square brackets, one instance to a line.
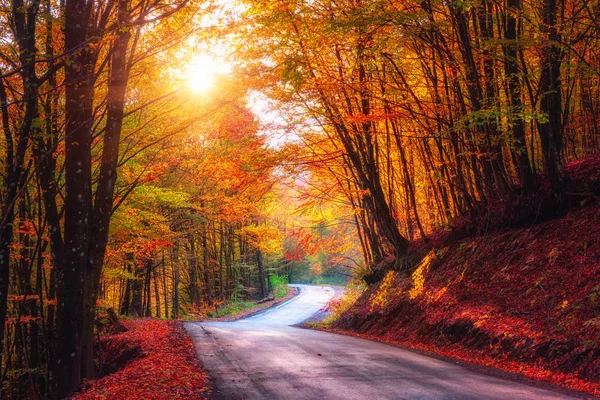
[265, 357]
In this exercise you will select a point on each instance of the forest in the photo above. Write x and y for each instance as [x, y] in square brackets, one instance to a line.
[172, 158]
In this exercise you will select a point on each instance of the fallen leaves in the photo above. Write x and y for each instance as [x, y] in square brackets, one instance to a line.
[528, 303]
[166, 369]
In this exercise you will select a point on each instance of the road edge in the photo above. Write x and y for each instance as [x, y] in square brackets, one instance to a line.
[482, 369]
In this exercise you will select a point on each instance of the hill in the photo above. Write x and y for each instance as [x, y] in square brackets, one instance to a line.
[525, 300]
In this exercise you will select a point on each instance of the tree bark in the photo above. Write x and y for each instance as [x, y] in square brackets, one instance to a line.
[24, 23]
[261, 273]
[70, 276]
[550, 87]
[511, 69]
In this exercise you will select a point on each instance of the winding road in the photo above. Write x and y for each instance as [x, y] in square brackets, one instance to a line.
[265, 357]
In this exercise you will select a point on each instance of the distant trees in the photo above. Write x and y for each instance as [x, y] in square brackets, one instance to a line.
[188, 237]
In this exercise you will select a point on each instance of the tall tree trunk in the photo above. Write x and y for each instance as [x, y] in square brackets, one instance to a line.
[550, 87]
[24, 23]
[511, 69]
[175, 265]
[137, 287]
[206, 268]
[164, 283]
[103, 199]
[193, 272]
[125, 303]
[156, 292]
[70, 276]
[261, 273]
[147, 287]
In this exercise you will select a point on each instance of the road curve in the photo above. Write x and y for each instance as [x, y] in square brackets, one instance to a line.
[264, 357]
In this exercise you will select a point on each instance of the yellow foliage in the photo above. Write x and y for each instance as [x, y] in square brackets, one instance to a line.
[339, 306]
[263, 236]
[436, 295]
[386, 291]
[553, 256]
[418, 276]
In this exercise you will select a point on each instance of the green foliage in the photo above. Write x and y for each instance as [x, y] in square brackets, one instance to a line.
[329, 277]
[161, 197]
[232, 308]
[280, 285]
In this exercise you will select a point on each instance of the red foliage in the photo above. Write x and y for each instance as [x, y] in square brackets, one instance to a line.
[584, 176]
[524, 300]
[166, 369]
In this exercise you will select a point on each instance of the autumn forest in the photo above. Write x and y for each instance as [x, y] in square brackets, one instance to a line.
[180, 159]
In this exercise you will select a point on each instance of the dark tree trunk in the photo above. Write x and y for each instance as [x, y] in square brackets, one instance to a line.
[137, 286]
[550, 87]
[193, 272]
[147, 288]
[103, 199]
[70, 276]
[206, 269]
[511, 69]
[24, 24]
[156, 292]
[164, 283]
[175, 265]
[261, 273]
[124, 309]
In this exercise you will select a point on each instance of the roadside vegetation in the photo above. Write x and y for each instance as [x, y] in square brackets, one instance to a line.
[240, 309]
[524, 300]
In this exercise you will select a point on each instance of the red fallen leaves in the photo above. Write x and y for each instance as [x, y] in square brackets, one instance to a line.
[523, 300]
[457, 351]
[166, 369]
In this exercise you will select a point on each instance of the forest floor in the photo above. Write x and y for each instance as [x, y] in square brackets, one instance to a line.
[523, 300]
[155, 359]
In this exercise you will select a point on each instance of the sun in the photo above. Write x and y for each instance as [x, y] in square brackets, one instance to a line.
[203, 71]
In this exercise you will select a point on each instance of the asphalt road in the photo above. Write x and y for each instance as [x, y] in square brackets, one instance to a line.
[264, 357]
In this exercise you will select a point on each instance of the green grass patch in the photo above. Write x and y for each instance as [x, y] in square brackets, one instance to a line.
[232, 308]
[280, 286]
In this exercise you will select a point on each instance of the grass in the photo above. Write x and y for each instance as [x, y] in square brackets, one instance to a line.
[280, 287]
[280, 290]
[232, 308]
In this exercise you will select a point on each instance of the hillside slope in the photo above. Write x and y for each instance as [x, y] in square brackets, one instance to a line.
[524, 300]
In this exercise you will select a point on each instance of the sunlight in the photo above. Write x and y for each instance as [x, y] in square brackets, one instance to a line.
[203, 70]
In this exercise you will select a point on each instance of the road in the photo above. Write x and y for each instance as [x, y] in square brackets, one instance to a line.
[264, 357]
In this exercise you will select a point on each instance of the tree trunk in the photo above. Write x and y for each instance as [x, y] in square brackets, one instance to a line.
[193, 272]
[70, 276]
[206, 268]
[550, 87]
[164, 283]
[137, 287]
[261, 273]
[147, 287]
[156, 292]
[511, 69]
[175, 264]
[24, 24]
